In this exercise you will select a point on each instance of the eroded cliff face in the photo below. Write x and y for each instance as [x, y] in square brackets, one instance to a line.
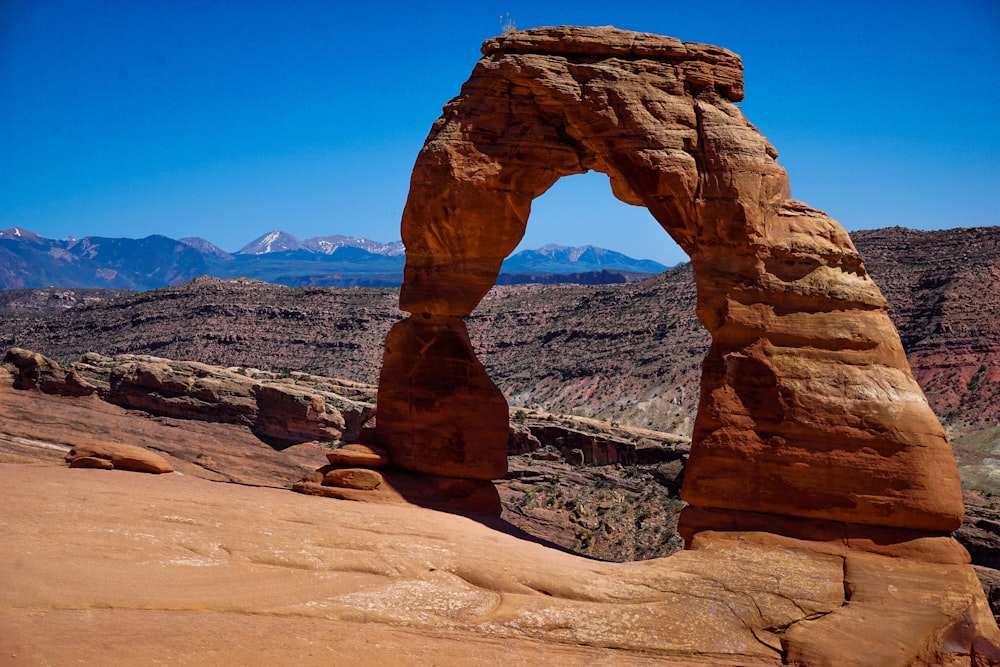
[808, 408]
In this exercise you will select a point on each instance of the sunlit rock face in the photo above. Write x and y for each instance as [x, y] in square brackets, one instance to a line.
[808, 408]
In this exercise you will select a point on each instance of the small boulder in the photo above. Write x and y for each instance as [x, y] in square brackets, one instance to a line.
[91, 462]
[121, 457]
[356, 455]
[353, 478]
[315, 477]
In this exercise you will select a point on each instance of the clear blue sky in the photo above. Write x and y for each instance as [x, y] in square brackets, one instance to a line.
[226, 120]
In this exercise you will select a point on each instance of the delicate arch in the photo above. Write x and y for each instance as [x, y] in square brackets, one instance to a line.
[807, 406]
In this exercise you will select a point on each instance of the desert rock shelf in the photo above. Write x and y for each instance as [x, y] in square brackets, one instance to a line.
[822, 490]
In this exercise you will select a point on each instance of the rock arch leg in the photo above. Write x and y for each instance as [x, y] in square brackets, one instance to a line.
[438, 411]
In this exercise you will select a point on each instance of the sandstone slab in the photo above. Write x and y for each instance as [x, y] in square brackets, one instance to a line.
[352, 455]
[423, 584]
[36, 371]
[120, 456]
[362, 479]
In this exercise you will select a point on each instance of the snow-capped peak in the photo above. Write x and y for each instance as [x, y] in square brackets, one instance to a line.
[276, 241]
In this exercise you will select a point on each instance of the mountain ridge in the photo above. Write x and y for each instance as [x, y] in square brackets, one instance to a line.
[28, 260]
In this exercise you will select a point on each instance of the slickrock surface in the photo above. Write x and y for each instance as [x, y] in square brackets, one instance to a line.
[216, 451]
[218, 581]
[808, 407]
[102, 567]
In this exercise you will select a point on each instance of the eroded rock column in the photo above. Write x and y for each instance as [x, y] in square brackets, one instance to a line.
[438, 411]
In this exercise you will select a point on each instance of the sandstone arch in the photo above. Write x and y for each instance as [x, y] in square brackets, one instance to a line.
[807, 409]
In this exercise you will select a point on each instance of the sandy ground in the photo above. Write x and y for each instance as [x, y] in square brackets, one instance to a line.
[110, 567]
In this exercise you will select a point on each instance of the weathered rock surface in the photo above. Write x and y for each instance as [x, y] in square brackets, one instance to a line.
[35, 371]
[384, 584]
[429, 362]
[355, 454]
[91, 462]
[283, 413]
[228, 452]
[189, 390]
[394, 487]
[591, 441]
[353, 478]
[119, 456]
[808, 407]
[35, 423]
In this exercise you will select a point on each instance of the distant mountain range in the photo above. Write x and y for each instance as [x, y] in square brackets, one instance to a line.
[28, 260]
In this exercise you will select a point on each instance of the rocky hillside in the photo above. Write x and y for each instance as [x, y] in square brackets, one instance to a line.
[624, 353]
[327, 331]
[944, 290]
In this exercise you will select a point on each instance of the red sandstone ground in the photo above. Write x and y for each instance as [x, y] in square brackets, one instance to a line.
[113, 567]
[127, 565]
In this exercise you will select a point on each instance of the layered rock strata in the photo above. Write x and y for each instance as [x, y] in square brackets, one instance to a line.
[280, 413]
[807, 408]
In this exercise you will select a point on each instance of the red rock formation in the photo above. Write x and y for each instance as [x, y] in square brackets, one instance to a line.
[36, 371]
[190, 390]
[438, 411]
[808, 407]
[113, 455]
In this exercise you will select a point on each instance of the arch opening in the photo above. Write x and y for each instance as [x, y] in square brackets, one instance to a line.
[581, 210]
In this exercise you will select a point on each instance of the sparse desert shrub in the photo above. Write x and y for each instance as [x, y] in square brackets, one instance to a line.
[507, 24]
